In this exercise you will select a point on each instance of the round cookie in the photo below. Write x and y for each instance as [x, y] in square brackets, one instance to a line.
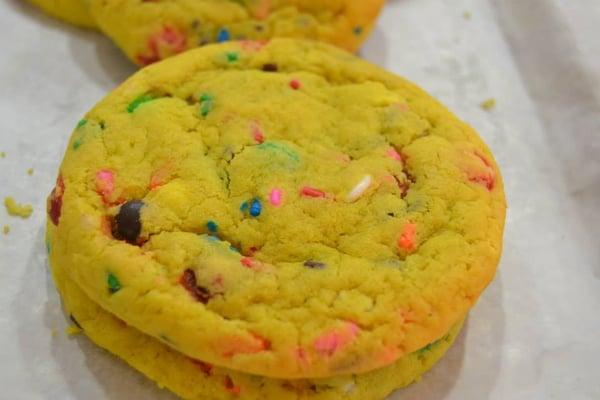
[153, 30]
[72, 11]
[286, 210]
[195, 380]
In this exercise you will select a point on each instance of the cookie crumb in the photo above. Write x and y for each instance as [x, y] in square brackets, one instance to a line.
[467, 15]
[2, 154]
[17, 210]
[30, 171]
[488, 104]
[6, 229]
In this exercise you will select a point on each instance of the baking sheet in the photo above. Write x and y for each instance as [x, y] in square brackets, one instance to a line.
[534, 333]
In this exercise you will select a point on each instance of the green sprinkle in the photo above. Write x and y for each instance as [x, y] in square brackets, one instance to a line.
[206, 104]
[81, 123]
[232, 56]
[77, 143]
[113, 283]
[138, 102]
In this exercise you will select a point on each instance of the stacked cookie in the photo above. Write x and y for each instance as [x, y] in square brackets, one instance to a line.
[149, 31]
[274, 220]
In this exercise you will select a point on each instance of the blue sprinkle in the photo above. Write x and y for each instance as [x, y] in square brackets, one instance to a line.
[233, 248]
[212, 226]
[244, 206]
[223, 35]
[255, 208]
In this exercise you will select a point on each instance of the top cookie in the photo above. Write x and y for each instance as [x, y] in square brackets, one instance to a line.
[286, 210]
[72, 11]
[149, 31]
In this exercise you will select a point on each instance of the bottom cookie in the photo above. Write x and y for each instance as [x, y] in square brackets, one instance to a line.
[71, 11]
[195, 380]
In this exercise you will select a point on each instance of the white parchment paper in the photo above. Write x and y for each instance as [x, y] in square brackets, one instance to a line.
[535, 332]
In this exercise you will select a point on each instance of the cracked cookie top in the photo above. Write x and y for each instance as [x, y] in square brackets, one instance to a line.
[149, 31]
[286, 209]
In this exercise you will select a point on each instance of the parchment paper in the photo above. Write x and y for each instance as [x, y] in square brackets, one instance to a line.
[535, 332]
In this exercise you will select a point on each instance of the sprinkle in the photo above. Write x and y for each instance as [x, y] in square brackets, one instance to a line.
[357, 30]
[54, 204]
[244, 206]
[223, 35]
[231, 387]
[212, 226]
[329, 343]
[488, 104]
[257, 133]
[77, 143]
[189, 282]
[270, 67]
[275, 197]
[17, 210]
[312, 192]
[392, 153]
[407, 238]
[6, 229]
[255, 208]
[113, 283]
[204, 367]
[233, 248]
[247, 262]
[105, 184]
[206, 104]
[295, 84]
[138, 101]
[81, 123]
[360, 188]
[232, 56]
[314, 264]
[30, 171]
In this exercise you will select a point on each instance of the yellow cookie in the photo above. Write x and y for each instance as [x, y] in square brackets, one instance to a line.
[149, 31]
[72, 11]
[286, 210]
[196, 380]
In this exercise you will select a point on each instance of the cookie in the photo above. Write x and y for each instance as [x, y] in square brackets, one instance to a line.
[193, 379]
[286, 210]
[153, 30]
[72, 11]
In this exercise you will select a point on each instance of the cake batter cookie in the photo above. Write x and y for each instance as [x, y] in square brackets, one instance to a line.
[72, 11]
[195, 380]
[153, 30]
[285, 210]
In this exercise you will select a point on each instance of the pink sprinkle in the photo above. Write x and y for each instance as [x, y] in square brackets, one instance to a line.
[247, 262]
[275, 197]
[105, 184]
[336, 339]
[295, 84]
[312, 192]
[394, 154]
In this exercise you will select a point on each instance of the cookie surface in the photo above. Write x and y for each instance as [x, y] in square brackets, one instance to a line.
[286, 210]
[196, 380]
[72, 11]
[153, 30]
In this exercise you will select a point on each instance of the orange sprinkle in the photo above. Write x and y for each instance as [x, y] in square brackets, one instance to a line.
[407, 238]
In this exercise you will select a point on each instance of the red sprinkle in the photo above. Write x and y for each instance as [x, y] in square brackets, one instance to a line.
[231, 387]
[295, 84]
[312, 192]
[247, 262]
[54, 204]
[257, 133]
[407, 238]
[188, 281]
[170, 39]
[204, 367]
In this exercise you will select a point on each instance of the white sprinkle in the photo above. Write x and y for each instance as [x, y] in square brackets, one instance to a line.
[359, 189]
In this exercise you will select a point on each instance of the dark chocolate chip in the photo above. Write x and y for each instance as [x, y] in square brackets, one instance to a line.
[391, 214]
[270, 67]
[127, 225]
[314, 264]
[72, 318]
[188, 281]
